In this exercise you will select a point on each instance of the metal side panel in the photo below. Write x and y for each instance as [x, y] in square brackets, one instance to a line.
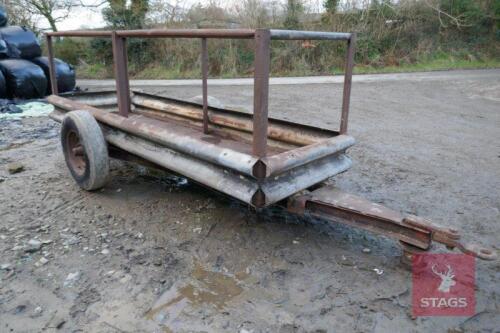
[166, 134]
[193, 142]
[292, 181]
[279, 130]
[222, 180]
[277, 164]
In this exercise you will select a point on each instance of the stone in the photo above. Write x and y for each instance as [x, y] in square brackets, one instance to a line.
[15, 168]
[41, 262]
[71, 279]
[33, 245]
[71, 240]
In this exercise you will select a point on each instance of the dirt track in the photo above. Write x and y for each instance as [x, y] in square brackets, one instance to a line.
[153, 253]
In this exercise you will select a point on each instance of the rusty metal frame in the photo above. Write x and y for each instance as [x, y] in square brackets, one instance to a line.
[262, 39]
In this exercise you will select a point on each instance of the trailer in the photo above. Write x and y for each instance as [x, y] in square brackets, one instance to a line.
[253, 158]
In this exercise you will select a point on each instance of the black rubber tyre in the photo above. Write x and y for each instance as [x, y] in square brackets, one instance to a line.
[85, 150]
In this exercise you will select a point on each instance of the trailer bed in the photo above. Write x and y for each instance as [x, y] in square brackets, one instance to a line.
[167, 132]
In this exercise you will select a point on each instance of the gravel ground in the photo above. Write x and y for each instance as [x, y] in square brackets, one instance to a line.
[155, 253]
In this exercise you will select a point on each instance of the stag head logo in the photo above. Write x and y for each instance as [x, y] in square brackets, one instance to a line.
[447, 280]
[453, 294]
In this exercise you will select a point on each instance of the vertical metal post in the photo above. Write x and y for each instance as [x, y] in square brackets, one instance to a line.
[204, 74]
[349, 64]
[52, 69]
[121, 74]
[261, 91]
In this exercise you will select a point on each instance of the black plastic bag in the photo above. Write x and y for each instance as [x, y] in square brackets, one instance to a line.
[3, 86]
[8, 106]
[4, 49]
[65, 74]
[24, 79]
[3, 17]
[21, 42]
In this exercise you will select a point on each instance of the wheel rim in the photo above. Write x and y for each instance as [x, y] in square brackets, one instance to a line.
[75, 153]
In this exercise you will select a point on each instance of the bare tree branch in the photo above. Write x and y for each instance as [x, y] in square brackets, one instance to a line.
[455, 19]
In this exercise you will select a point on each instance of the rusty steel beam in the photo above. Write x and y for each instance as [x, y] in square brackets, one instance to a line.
[189, 33]
[204, 74]
[52, 68]
[346, 97]
[261, 91]
[80, 33]
[280, 130]
[155, 33]
[121, 74]
[335, 205]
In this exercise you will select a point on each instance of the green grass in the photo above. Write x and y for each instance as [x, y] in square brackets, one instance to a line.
[160, 72]
[157, 72]
[94, 71]
[431, 65]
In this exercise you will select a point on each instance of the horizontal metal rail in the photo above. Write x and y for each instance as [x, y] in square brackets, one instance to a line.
[189, 33]
[276, 34]
[309, 35]
[79, 33]
[155, 33]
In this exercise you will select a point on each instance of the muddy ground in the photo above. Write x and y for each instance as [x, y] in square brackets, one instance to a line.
[155, 253]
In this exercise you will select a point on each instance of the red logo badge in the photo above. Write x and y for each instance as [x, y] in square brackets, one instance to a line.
[443, 285]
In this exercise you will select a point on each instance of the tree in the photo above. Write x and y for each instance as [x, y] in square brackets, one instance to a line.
[331, 6]
[166, 11]
[53, 11]
[121, 15]
[252, 13]
[18, 16]
[293, 10]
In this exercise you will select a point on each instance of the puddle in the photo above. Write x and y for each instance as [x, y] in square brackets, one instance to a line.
[207, 288]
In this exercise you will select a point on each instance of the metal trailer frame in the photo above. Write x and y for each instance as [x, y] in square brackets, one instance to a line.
[280, 163]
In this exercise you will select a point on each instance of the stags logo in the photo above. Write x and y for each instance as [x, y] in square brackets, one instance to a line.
[446, 279]
[443, 285]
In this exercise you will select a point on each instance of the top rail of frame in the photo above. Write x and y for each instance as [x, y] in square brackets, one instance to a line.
[309, 35]
[79, 33]
[206, 33]
[154, 33]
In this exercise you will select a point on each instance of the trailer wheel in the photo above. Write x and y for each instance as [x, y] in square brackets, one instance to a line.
[85, 150]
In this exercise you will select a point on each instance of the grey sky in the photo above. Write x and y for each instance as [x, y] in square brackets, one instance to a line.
[92, 18]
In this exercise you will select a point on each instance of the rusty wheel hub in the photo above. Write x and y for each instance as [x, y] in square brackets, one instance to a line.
[75, 153]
